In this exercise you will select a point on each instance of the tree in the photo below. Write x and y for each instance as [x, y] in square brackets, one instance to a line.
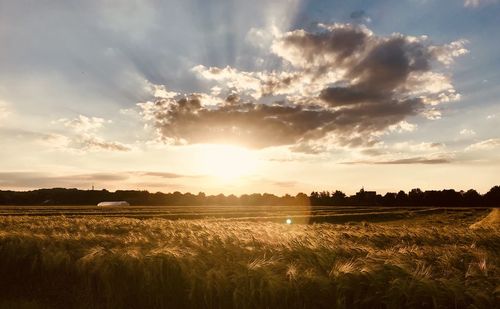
[401, 198]
[338, 198]
[471, 198]
[493, 196]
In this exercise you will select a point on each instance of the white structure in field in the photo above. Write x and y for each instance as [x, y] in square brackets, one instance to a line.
[117, 203]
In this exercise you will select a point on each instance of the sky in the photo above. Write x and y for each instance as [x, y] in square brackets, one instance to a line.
[243, 96]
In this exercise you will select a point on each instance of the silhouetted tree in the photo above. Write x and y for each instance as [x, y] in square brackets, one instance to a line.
[401, 198]
[471, 198]
[493, 196]
[62, 196]
[338, 198]
[389, 199]
[416, 197]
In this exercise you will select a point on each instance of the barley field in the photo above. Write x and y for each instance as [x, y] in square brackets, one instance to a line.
[230, 257]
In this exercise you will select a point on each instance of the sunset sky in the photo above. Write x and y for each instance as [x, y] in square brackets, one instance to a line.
[244, 96]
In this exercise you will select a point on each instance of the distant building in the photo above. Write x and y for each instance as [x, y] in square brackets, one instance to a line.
[366, 197]
[366, 194]
[116, 203]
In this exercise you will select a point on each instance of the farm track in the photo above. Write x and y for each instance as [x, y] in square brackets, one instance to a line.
[298, 214]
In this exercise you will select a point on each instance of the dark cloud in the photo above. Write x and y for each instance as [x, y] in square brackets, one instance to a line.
[326, 48]
[379, 76]
[340, 96]
[349, 84]
[249, 124]
[260, 125]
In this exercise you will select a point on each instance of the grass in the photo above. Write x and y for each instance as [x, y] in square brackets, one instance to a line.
[98, 262]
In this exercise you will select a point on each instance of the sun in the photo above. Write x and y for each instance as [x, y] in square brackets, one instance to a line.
[228, 163]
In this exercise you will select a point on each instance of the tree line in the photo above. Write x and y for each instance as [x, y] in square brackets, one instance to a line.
[415, 197]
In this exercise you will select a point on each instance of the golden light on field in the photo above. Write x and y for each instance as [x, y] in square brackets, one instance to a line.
[288, 221]
[227, 163]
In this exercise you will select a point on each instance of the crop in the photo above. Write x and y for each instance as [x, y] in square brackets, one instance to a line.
[116, 262]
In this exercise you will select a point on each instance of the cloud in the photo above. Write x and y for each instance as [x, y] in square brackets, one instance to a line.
[84, 135]
[467, 132]
[402, 126]
[402, 153]
[49, 180]
[4, 111]
[432, 114]
[83, 124]
[488, 144]
[285, 184]
[159, 91]
[343, 85]
[418, 147]
[163, 174]
[477, 3]
[54, 140]
[186, 121]
[412, 160]
[94, 143]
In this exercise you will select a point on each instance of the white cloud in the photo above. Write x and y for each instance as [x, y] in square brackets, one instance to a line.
[160, 91]
[467, 132]
[418, 147]
[94, 143]
[432, 114]
[262, 37]
[488, 144]
[4, 111]
[83, 124]
[403, 126]
[477, 3]
[447, 53]
[84, 135]
[409, 152]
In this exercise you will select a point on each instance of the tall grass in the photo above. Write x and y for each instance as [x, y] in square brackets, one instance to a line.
[95, 262]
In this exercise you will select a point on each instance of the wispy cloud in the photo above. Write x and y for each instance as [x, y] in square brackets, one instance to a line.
[477, 3]
[48, 180]
[412, 160]
[467, 132]
[86, 180]
[83, 124]
[163, 174]
[4, 110]
[488, 144]
[84, 135]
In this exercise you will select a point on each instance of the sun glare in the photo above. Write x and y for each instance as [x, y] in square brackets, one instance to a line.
[228, 162]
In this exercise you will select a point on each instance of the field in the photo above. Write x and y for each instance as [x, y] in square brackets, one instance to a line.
[242, 257]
